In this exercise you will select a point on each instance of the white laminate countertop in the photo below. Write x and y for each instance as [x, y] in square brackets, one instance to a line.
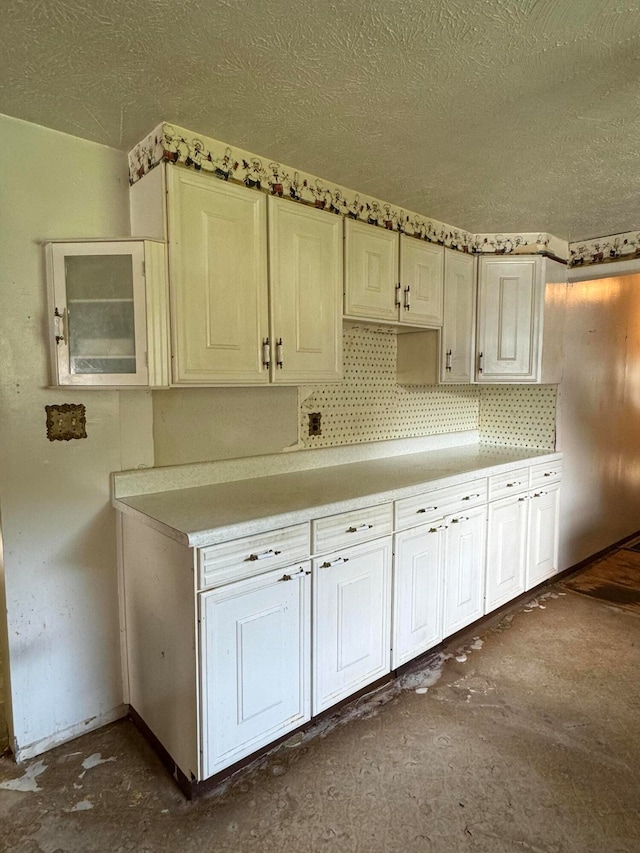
[205, 515]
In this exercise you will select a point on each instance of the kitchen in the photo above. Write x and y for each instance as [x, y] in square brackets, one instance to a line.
[58, 527]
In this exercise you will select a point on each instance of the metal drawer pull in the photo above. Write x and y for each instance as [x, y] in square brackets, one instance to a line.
[266, 555]
[448, 357]
[284, 578]
[438, 528]
[525, 498]
[427, 509]
[291, 577]
[515, 483]
[470, 497]
[359, 528]
[550, 473]
[459, 519]
[329, 563]
[540, 494]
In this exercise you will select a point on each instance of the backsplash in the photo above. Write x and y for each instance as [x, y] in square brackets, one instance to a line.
[520, 415]
[369, 405]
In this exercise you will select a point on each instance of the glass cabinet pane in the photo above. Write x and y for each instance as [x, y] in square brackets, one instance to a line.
[100, 313]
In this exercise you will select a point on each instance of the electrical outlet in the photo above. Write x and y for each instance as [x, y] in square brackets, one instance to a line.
[315, 425]
[66, 421]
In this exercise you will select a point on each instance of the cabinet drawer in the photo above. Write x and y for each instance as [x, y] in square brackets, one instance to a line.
[545, 473]
[349, 528]
[409, 512]
[509, 483]
[252, 555]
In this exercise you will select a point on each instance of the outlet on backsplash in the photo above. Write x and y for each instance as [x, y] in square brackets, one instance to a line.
[315, 423]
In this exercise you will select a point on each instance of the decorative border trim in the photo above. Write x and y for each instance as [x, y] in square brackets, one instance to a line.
[602, 250]
[170, 144]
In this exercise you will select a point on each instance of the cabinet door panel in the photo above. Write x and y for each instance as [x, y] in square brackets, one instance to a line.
[371, 272]
[458, 338]
[464, 569]
[417, 591]
[352, 604]
[542, 562]
[421, 277]
[255, 649]
[305, 265]
[506, 550]
[218, 264]
[508, 319]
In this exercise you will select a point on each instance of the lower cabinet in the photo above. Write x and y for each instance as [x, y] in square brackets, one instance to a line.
[464, 569]
[522, 544]
[255, 654]
[438, 582]
[418, 591]
[542, 549]
[351, 617]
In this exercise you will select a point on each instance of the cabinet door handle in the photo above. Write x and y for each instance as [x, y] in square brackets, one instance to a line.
[550, 474]
[266, 555]
[60, 324]
[279, 356]
[398, 289]
[438, 528]
[291, 577]
[525, 498]
[359, 528]
[540, 494]
[426, 509]
[515, 483]
[407, 297]
[459, 519]
[284, 578]
[266, 353]
[337, 562]
[449, 357]
[480, 362]
[470, 497]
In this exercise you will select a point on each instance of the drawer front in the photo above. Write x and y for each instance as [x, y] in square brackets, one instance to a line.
[350, 528]
[509, 483]
[409, 512]
[252, 555]
[547, 472]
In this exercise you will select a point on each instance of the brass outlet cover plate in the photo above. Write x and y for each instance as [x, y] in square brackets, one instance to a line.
[66, 421]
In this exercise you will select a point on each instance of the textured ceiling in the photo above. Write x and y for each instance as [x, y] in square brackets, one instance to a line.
[492, 115]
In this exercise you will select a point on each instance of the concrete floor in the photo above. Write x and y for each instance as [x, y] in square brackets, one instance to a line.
[527, 742]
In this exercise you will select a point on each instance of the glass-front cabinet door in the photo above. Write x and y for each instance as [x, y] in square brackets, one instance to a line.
[98, 312]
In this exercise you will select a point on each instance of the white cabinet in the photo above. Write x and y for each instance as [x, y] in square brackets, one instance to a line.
[351, 618]
[108, 312]
[457, 342]
[391, 277]
[542, 550]
[506, 550]
[255, 664]
[305, 272]
[255, 282]
[521, 303]
[218, 280]
[522, 538]
[464, 570]
[418, 583]
[439, 569]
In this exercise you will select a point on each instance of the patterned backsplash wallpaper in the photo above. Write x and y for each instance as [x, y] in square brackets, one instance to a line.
[369, 405]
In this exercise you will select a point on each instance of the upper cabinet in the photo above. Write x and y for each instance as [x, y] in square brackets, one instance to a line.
[392, 278]
[457, 339]
[255, 282]
[521, 303]
[305, 274]
[108, 313]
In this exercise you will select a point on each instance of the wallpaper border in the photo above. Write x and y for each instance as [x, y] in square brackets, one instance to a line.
[172, 144]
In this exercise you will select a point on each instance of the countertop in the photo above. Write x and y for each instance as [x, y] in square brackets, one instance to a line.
[207, 514]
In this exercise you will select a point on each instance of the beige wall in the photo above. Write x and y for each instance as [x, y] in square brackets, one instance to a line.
[57, 525]
[599, 416]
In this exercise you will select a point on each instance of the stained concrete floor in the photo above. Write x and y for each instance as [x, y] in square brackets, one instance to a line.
[524, 740]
